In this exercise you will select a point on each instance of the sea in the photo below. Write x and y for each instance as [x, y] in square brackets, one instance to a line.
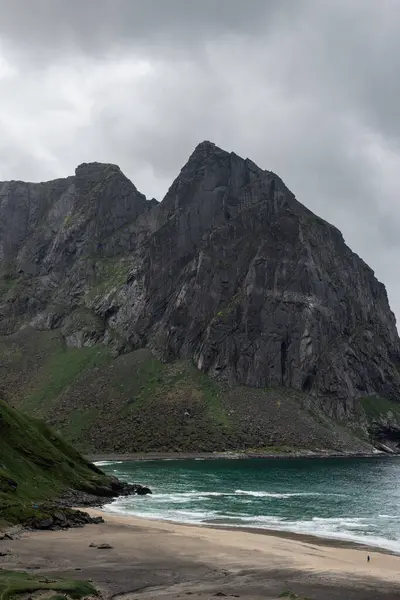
[354, 499]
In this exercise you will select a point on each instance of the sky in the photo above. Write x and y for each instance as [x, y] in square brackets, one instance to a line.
[308, 89]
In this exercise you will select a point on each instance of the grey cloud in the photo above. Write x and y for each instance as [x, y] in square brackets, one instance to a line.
[98, 26]
[306, 88]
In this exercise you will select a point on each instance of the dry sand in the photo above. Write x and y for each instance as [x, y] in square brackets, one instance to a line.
[153, 559]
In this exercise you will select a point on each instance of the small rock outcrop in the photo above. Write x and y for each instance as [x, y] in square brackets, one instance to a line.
[61, 519]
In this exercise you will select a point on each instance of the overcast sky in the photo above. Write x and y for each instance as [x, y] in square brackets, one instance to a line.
[309, 89]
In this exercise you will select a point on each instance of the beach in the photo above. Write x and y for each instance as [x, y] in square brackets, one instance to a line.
[153, 559]
[353, 499]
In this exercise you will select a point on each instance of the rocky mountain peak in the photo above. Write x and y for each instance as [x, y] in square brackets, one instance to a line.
[229, 271]
[212, 182]
[96, 178]
[205, 148]
[96, 170]
[207, 154]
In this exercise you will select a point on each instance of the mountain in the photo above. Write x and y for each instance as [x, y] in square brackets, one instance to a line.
[112, 307]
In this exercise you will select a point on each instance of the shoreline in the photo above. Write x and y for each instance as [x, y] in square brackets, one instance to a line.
[339, 539]
[224, 525]
[308, 538]
[303, 550]
[131, 558]
[149, 456]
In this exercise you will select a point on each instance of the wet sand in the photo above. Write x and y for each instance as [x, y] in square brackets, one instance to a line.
[154, 559]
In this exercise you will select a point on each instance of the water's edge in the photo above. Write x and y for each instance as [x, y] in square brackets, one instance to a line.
[351, 499]
[315, 539]
[137, 456]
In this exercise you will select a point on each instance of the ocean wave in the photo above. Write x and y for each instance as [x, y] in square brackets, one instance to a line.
[204, 494]
[194, 495]
[185, 497]
[347, 529]
[335, 528]
[260, 494]
[106, 463]
[179, 516]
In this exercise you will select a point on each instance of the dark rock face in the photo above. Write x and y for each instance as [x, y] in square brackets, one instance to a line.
[62, 519]
[385, 437]
[61, 513]
[102, 494]
[229, 270]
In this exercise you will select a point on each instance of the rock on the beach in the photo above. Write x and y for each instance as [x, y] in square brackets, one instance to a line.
[63, 518]
[143, 490]
[44, 523]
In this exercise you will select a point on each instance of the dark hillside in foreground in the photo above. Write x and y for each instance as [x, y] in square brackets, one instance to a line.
[36, 466]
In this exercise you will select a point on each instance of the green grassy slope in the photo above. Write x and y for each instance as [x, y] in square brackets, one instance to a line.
[41, 465]
[135, 403]
[16, 583]
[376, 408]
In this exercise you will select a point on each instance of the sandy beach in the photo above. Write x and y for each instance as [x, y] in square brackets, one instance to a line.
[153, 559]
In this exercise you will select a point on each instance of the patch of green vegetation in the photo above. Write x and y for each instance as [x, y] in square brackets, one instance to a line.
[36, 465]
[292, 596]
[212, 393]
[10, 353]
[227, 309]
[153, 379]
[376, 407]
[9, 279]
[7, 285]
[59, 372]
[150, 377]
[110, 274]
[69, 221]
[75, 428]
[360, 434]
[15, 583]
[272, 450]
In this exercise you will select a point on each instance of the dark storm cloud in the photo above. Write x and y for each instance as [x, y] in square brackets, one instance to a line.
[307, 88]
[95, 26]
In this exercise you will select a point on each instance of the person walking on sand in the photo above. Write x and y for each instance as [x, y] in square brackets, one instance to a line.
[368, 558]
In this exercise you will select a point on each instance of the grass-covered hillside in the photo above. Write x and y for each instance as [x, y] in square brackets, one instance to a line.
[16, 584]
[36, 465]
[135, 403]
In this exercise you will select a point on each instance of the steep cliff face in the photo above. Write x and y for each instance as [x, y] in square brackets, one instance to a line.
[229, 271]
[257, 289]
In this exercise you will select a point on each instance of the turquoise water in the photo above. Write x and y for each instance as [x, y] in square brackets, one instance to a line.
[349, 499]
